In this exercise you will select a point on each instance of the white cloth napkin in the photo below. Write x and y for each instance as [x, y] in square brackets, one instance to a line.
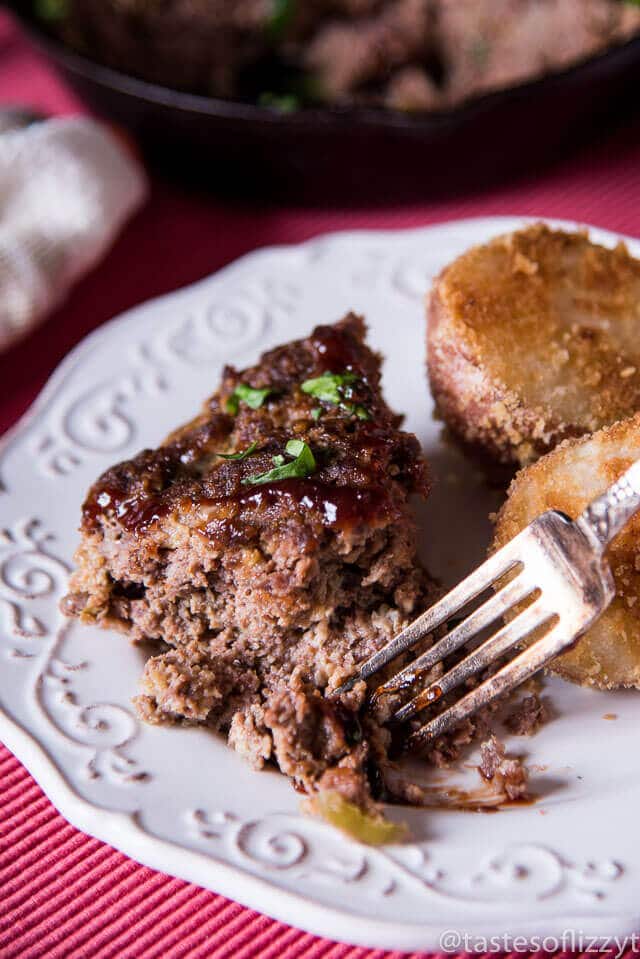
[66, 188]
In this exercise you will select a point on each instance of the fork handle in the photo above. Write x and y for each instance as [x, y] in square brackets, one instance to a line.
[606, 515]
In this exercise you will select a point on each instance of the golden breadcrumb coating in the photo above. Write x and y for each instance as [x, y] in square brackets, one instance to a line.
[608, 656]
[533, 338]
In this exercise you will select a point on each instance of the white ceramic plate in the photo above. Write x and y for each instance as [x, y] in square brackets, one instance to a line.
[181, 801]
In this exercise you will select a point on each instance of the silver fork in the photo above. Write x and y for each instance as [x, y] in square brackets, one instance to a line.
[552, 580]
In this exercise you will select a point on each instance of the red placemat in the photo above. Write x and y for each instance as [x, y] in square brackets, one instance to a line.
[63, 894]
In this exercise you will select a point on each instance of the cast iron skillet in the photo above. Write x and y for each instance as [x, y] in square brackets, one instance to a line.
[335, 155]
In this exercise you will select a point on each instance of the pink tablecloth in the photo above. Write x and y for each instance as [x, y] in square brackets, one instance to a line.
[62, 893]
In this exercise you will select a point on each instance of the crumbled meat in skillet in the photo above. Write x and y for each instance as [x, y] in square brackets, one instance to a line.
[404, 54]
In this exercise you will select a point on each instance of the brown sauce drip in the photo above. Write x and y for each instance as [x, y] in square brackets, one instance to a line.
[432, 695]
[336, 350]
[401, 685]
[337, 507]
[375, 438]
[481, 799]
[134, 513]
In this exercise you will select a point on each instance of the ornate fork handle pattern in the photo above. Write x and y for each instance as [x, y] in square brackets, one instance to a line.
[607, 515]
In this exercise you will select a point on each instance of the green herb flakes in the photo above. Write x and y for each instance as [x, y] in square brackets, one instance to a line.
[244, 393]
[52, 10]
[336, 389]
[303, 464]
[282, 102]
[241, 455]
[281, 16]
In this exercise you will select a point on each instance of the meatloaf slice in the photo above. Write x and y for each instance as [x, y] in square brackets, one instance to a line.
[266, 548]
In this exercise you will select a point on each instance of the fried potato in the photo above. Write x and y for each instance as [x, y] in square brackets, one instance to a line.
[608, 655]
[533, 338]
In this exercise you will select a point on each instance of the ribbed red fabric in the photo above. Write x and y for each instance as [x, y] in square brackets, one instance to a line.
[63, 894]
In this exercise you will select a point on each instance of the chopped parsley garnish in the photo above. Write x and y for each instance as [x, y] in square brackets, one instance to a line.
[242, 455]
[249, 395]
[281, 16]
[329, 387]
[361, 412]
[52, 10]
[283, 102]
[316, 413]
[303, 464]
[336, 389]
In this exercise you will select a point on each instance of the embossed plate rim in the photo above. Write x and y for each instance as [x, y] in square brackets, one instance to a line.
[122, 830]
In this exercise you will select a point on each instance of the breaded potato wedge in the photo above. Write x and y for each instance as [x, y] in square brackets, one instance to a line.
[533, 338]
[608, 655]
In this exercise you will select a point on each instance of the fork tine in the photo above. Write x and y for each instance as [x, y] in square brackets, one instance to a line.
[482, 657]
[515, 591]
[526, 664]
[480, 579]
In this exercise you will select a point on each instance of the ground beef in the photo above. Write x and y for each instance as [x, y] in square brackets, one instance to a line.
[404, 54]
[447, 748]
[509, 775]
[262, 597]
[348, 55]
[527, 717]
